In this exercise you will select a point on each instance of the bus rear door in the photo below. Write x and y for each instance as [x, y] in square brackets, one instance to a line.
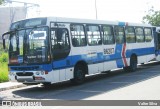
[157, 43]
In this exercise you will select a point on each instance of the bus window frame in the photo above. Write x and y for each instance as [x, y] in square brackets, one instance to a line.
[99, 27]
[151, 34]
[124, 35]
[102, 30]
[143, 34]
[84, 34]
[134, 34]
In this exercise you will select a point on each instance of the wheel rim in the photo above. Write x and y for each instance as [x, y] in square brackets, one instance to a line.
[79, 74]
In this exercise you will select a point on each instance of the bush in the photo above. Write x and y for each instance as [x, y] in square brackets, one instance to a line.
[3, 66]
[3, 57]
[3, 72]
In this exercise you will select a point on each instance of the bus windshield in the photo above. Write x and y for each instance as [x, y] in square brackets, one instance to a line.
[29, 46]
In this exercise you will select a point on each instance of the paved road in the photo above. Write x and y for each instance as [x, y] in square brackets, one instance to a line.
[118, 85]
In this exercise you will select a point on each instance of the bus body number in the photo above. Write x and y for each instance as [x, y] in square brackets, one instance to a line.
[109, 51]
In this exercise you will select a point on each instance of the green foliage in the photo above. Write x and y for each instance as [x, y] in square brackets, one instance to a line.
[3, 72]
[3, 57]
[1, 2]
[153, 17]
[3, 65]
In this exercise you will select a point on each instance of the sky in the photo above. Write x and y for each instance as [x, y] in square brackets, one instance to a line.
[112, 10]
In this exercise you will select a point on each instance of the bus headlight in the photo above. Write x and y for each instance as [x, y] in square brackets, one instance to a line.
[42, 72]
[38, 72]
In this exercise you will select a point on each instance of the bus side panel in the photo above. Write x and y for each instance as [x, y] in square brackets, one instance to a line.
[95, 53]
[141, 59]
[95, 68]
[59, 75]
[150, 57]
[109, 57]
[53, 76]
[62, 75]
[69, 73]
[109, 65]
[143, 51]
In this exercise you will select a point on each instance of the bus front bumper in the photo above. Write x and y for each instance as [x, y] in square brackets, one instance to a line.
[27, 77]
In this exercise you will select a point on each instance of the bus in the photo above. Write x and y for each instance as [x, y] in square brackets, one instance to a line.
[157, 43]
[48, 50]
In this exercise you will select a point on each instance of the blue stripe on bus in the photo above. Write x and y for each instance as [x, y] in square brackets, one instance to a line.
[47, 67]
[119, 63]
[70, 61]
[118, 53]
[121, 23]
[140, 52]
[103, 58]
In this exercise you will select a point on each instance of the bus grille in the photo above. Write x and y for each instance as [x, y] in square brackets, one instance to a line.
[25, 68]
[24, 74]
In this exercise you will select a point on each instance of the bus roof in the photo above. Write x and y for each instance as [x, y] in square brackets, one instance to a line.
[87, 21]
[91, 21]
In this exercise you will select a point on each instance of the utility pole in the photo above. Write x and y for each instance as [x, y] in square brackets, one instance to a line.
[96, 9]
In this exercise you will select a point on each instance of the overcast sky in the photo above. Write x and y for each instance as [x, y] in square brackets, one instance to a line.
[116, 10]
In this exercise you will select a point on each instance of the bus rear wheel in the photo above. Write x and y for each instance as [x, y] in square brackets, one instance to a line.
[79, 74]
[133, 65]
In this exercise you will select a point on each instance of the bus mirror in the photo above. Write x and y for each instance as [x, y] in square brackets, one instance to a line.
[4, 44]
[5, 38]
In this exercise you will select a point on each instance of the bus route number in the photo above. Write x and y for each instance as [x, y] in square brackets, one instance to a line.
[109, 51]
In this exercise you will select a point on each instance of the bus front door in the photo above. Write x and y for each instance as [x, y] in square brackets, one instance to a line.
[157, 43]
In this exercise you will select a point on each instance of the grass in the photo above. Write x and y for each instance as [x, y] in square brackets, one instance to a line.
[3, 72]
[3, 65]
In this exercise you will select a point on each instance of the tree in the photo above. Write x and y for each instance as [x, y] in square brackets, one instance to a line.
[1, 2]
[153, 17]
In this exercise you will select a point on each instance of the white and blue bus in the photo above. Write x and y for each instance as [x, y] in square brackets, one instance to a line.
[157, 42]
[52, 49]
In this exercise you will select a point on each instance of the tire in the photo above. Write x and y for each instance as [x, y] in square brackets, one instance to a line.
[133, 64]
[79, 74]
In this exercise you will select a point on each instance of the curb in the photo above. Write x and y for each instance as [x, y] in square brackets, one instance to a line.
[12, 87]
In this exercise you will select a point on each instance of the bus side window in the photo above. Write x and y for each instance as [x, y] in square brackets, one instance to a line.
[93, 35]
[119, 33]
[60, 39]
[78, 35]
[130, 35]
[108, 35]
[148, 34]
[139, 34]
[60, 43]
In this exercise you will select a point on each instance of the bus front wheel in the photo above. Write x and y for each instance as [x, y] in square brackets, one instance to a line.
[79, 74]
